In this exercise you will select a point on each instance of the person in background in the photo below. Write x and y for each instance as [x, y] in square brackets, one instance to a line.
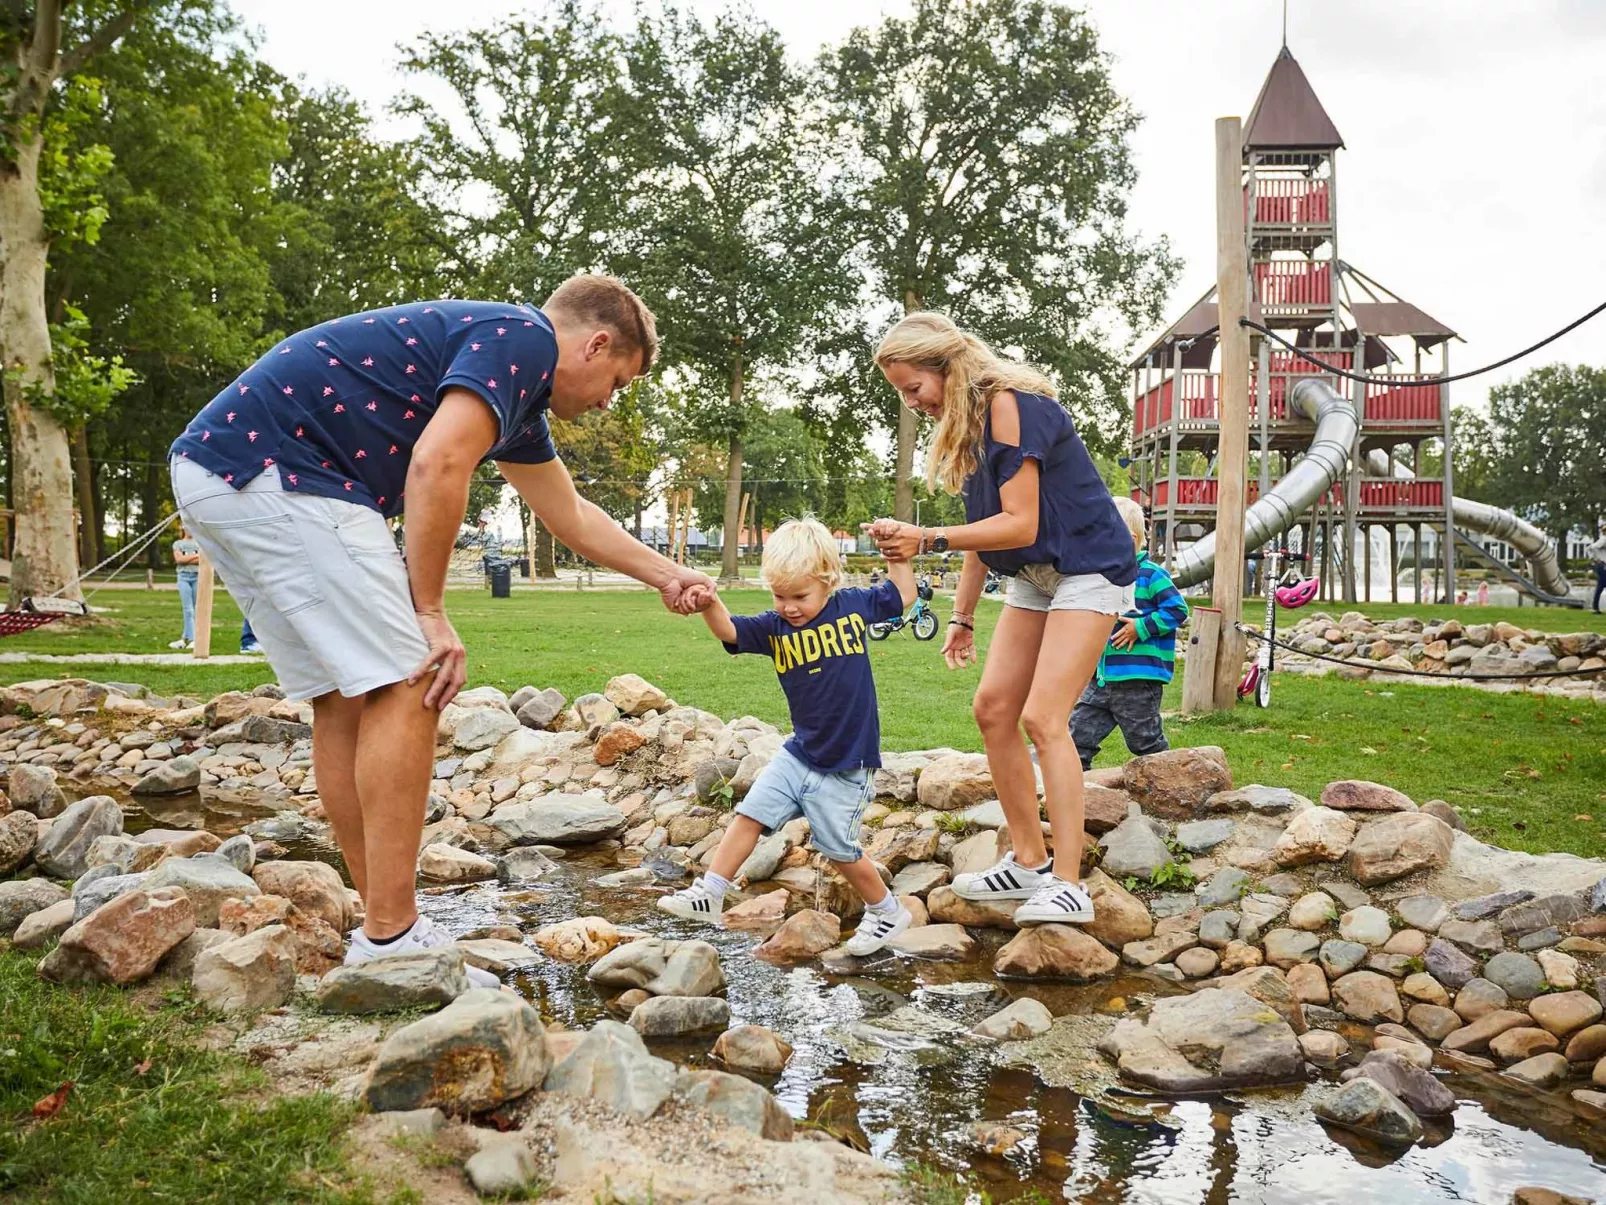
[1483, 594]
[1461, 599]
[1136, 664]
[187, 556]
[248, 640]
[1597, 560]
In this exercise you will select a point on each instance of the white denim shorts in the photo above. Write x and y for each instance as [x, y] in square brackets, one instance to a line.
[320, 580]
[1045, 588]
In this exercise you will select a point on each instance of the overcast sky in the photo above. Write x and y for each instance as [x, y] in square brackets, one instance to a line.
[1473, 183]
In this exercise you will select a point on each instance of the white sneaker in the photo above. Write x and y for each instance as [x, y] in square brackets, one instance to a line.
[1057, 902]
[694, 903]
[876, 930]
[180, 644]
[1009, 880]
[424, 935]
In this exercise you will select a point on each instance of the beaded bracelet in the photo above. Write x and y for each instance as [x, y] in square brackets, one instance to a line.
[960, 623]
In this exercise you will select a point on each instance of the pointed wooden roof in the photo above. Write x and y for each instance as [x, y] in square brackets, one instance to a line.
[1287, 116]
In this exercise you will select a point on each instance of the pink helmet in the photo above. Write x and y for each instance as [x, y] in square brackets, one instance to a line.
[1298, 594]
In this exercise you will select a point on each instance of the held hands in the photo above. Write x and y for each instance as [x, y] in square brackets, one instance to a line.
[687, 592]
[447, 658]
[897, 541]
[1126, 633]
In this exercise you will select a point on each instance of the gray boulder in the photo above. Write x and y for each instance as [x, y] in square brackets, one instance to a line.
[611, 1065]
[1198, 836]
[737, 1100]
[1210, 1040]
[485, 1047]
[1520, 976]
[1133, 847]
[1415, 1088]
[64, 851]
[18, 833]
[207, 879]
[240, 851]
[503, 1168]
[540, 708]
[1224, 888]
[674, 1016]
[1368, 1107]
[391, 983]
[558, 820]
[20, 898]
[661, 967]
[523, 864]
[1449, 964]
[1340, 957]
[176, 777]
[96, 888]
[33, 789]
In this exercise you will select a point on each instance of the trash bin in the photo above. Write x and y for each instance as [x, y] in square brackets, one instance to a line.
[524, 566]
[501, 574]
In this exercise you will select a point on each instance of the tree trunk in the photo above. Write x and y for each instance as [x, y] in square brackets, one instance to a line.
[150, 503]
[636, 528]
[88, 512]
[903, 495]
[546, 554]
[43, 560]
[730, 568]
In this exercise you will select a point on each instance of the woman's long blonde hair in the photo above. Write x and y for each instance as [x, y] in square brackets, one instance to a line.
[971, 374]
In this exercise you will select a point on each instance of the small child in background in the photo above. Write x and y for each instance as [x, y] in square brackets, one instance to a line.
[816, 637]
[1137, 663]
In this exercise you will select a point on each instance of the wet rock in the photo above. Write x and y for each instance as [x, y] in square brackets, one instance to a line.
[1366, 1106]
[579, 939]
[1054, 952]
[634, 695]
[313, 887]
[662, 967]
[611, 1065]
[935, 943]
[1312, 912]
[617, 741]
[207, 880]
[1340, 957]
[245, 974]
[763, 913]
[482, 1049]
[240, 851]
[1177, 782]
[122, 941]
[1399, 845]
[1024, 1018]
[947, 907]
[523, 864]
[1256, 798]
[1209, 1040]
[1367, 925]
[1518, 974]
[1133, 847]
[801, 936]
[1317, 834]
[737, 1101]
[1424, 912]
[448, 864]
[1414, 1087]
[1200, 836]
[1564, 1012]
[499, 956]
[1323, 1047]
[541, 709]
[394, 982]
[1478, 1034]
[18, 832]
[33, 789]
[45, 925]
[753, 1049]
[175, 777]
[1545, 1071]
[675, 1016]
[1290, 947]
[503, 1168]
[1487, 905]
[1522, 1042]
[955, 782]
[1357, 795]
[558, 820]
[1368, 997]
[1551, 911]
[1433, 1021]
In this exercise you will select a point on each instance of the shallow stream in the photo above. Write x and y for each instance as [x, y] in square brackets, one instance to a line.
[883, 1060]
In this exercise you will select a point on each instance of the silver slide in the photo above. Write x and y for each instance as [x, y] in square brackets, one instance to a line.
[1325, 462]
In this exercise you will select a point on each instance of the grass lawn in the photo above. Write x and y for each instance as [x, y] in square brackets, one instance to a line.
[150, 1117]
[1527, 772]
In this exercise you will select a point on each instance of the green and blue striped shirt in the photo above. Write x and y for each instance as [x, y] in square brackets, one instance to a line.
[1160, 610]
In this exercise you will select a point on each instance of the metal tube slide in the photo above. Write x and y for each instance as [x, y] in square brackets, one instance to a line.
[1323, 463]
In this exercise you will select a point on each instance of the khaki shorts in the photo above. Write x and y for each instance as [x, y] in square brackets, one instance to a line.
[1045, 588]
[320, 580]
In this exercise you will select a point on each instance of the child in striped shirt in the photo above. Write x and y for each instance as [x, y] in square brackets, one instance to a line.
[1136, 664]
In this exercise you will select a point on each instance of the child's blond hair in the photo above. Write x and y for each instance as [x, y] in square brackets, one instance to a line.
[1132, 516]
[801, 550]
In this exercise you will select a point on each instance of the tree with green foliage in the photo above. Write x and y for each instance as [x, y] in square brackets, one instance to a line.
[45, 46]
[1547, 433]
[728, 235]
[984, 156]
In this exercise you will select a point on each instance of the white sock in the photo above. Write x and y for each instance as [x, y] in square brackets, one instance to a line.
[887, 906]
[715, 885]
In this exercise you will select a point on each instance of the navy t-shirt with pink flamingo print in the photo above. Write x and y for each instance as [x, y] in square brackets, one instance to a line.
[338, 408]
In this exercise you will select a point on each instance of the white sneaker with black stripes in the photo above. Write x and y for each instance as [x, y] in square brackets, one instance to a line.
[1057, 902]
[877, 929]
[694, 903]
[1009, 880]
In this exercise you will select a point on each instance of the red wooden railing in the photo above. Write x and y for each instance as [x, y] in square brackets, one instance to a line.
[1287, 202]
[1405, 402]
[1293, 283]
[1376, 494]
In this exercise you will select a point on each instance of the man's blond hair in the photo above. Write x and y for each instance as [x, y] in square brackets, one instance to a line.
[1132, 516]
[595, 300]
[801, 551]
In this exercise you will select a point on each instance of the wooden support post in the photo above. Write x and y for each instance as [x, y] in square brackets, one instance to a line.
[674, 524]
[150, 579]
[1198, 669]
[1232, 299]
[1171, 464]
[1449, 480]
[1416, 561]
[1366, 565]
[203, 608]
[685, 526]
[1394, 562]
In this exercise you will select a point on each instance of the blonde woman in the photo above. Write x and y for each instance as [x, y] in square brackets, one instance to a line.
[1038, 513]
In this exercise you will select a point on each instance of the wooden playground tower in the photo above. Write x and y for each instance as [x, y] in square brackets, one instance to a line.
[1299, 287]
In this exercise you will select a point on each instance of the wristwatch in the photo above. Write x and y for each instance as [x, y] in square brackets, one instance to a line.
[939, 542]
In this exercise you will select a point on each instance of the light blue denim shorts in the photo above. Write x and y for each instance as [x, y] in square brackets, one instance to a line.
[833, 804]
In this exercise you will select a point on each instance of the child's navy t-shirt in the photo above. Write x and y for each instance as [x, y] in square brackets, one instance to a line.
[824, 667]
